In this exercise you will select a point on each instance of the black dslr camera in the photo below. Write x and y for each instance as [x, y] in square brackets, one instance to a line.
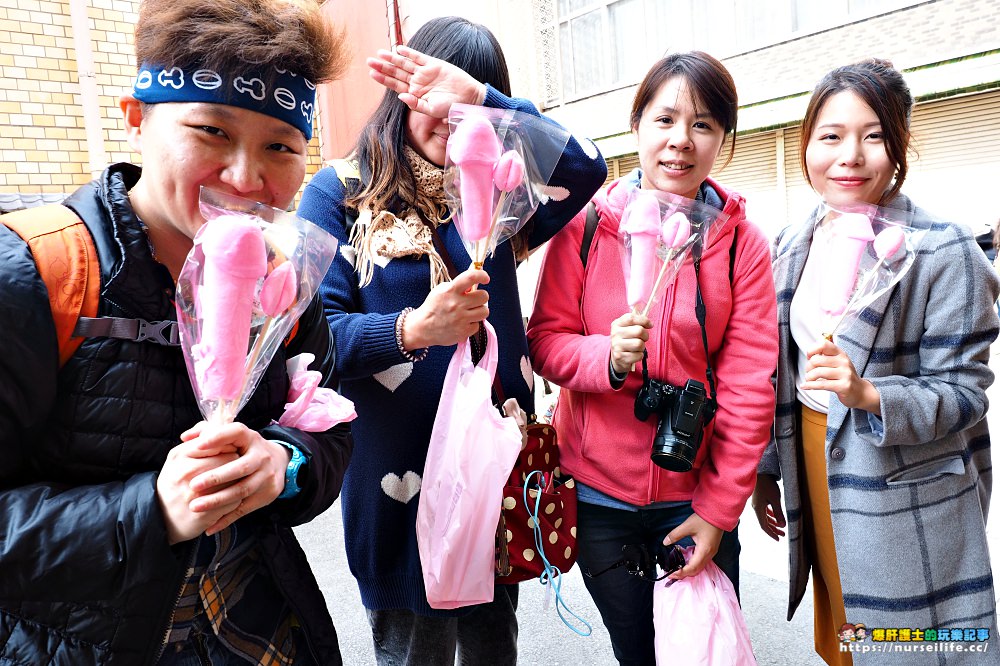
[682, 414]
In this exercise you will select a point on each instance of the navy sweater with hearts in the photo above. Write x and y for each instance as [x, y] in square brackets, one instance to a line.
[397, 400]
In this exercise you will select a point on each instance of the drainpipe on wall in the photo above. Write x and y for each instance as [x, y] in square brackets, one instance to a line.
[397, 25]
[89, 97]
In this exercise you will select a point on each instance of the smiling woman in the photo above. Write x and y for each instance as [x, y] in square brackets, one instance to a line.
[187, 145]
[109, 479]
[682, 115]
[880, 437]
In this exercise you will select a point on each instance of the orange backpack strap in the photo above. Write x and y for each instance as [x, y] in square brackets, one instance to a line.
[67, 262]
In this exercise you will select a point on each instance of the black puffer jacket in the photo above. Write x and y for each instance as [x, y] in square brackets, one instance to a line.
[86, 575]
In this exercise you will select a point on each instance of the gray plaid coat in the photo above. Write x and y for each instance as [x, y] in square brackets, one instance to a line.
[909, 506]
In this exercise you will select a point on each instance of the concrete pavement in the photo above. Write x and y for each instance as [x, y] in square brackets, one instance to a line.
[545, 641]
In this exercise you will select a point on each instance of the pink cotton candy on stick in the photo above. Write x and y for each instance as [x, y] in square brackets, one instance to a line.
[474, 148]
[887, 242]
[509, 171]
[850, 236]
[279, 290]
[642, 224]
[235, 258]
[676, 230]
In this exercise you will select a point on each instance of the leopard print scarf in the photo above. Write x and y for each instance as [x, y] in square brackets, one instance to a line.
[379, 238]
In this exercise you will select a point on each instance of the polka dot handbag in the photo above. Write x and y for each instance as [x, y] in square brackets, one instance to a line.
[539, 495]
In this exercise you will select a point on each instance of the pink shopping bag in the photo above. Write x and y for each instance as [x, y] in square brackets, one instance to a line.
[698, 621]
[472, 451]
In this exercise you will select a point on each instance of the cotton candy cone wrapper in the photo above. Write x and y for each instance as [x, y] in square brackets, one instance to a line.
[475, 149]
[642, 224]
[850, 235]
[235, 259]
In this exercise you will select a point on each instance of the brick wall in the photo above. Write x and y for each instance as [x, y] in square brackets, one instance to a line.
[43, 146]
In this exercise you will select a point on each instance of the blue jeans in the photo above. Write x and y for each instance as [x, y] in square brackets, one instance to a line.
[624, 600]
[486, 635]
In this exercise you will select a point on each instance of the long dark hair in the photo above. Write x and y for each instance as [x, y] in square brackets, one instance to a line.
[883, 89]
[709, 82]
[387, 180]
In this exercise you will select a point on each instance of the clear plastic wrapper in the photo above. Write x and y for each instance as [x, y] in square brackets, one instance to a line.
[250, 275]
[497, 163]
[659, 230]
[868, 249]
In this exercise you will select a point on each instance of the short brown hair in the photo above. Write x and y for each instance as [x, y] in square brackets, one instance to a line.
[883, 89]
[710, 83]
[228, 35]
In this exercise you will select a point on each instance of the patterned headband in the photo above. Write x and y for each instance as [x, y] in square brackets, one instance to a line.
[292, 98]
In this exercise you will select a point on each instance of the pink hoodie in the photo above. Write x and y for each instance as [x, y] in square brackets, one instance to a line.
[602, 444]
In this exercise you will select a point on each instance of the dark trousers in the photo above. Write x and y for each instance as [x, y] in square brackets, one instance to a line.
[486, 635]
[624, 600]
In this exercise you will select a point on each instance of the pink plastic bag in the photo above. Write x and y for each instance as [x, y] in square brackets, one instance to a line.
[698, 621]
[471, 454]
[312, 407]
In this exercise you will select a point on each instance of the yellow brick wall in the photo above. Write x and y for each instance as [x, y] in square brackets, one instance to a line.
[43, 144]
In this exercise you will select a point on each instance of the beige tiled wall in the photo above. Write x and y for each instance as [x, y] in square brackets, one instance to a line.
[42, 137]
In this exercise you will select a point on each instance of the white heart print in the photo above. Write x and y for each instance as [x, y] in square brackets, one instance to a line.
[393, 376]
[401, 489]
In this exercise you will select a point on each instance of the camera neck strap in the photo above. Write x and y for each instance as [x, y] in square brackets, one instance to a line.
[699, 311]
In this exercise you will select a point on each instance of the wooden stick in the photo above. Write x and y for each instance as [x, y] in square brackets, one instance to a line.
[871, 273]
[656, 284]
[493, 223]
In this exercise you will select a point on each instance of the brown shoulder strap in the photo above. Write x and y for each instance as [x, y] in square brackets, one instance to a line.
[67, 262]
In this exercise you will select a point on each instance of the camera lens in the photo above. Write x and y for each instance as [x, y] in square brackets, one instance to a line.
[680, 429]
[673, 453]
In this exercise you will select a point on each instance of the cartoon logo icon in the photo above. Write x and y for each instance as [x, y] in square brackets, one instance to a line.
[847, 634]
[173, 77]
[285, 98]
[206, 79]
[254, 87]
[860, 632]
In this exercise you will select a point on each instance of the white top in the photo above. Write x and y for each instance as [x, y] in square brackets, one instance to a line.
[807, 322]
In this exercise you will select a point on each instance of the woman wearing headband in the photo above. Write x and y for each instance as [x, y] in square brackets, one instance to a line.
[134, 533]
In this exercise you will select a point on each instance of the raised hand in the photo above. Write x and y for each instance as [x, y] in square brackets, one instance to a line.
[449, 314]
[425, 84]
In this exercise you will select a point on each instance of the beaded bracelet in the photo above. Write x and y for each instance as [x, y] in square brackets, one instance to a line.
[418, 355]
